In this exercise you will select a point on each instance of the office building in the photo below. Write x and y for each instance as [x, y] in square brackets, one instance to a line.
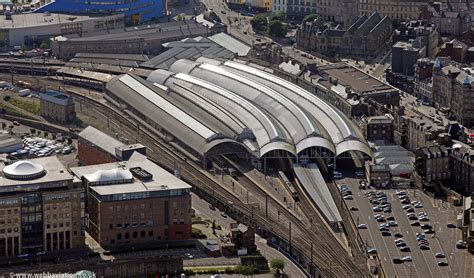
[135, 12]
[57, 106]
[135, 202]
[40, 208]
[404, 57]
[421, 34]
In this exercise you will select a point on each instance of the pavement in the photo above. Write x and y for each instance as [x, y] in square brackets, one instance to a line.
[424, 262]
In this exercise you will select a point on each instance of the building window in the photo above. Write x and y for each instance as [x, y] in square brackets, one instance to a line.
[150, 233]
[127, 235]
[119, 236]
[142, 234]
[135, 234]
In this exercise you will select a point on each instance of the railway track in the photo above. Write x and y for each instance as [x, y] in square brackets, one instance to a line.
[330, 257]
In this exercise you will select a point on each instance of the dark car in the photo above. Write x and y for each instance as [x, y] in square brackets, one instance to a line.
[391, 218]
[426, 226]
[451, 225]
[397, 260]
[415, 223]
[405, 201]
[405, 249]
[424, 247]
[385, 233]
[354, 209]
[397, 235]
[212, 207]
[443, 263]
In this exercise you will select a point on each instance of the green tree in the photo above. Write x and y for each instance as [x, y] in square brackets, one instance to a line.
[46, 134]
[277, 264]
[32, 131]
[278, 29]
[6, 98]
[259, 22]
[69, 141]
[310, 17]
[11, 126]
[4, 125]
[43, 45]
[277, 16]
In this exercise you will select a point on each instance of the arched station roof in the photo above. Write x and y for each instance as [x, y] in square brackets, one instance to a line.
[259, 110]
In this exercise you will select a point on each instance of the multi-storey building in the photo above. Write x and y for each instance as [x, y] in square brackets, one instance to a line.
[423, 82]
[452, 18]
[40, 208]
[378, 128]
[364, 38]
[57, 106]
[453, 90]
[421, 132]
[462, 167]
[135, 202]
[281, 6]
[432, 163]
[135, 11]
[397, 10]
[421, 34]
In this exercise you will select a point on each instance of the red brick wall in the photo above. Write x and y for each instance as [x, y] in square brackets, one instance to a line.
[89, 154]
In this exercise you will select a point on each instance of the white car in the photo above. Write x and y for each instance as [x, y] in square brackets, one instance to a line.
[362, 226]
[188, 255]
[407, 259]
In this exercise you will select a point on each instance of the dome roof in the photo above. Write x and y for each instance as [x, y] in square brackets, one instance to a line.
[23, 170]
[116, 174]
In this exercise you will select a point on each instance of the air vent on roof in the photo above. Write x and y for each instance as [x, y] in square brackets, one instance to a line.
[141, 174]
[72, 18]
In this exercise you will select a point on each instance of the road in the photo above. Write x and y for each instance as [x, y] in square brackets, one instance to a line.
[424, 262]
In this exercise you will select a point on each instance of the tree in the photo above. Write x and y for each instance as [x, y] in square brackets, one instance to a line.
[277, 264]
[4, 125]
[310, 17]
[43, 45]
[69, 141]
[259, 22]
[32, 131]
[6, 98]
[277, 16]
[278, 29]
[24, 47]
[46, 134]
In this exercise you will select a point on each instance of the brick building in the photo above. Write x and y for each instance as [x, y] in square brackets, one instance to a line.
[96, 147]
[57, 106]
[455, 49]
[135, 202]
[243, 237]
[40, 208]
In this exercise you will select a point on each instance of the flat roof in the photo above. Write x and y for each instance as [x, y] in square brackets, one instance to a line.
[55, 171]
[100, 139]
[359, 81]
[8, 141]
[162, 180]
[38, 19]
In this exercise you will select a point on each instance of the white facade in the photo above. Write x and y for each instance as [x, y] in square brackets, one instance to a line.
[279, 5]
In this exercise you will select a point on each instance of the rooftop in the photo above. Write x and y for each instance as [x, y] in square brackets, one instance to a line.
[117, 177]
[358, 81]
[54, 171]
[100, 139]
[38, 19]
